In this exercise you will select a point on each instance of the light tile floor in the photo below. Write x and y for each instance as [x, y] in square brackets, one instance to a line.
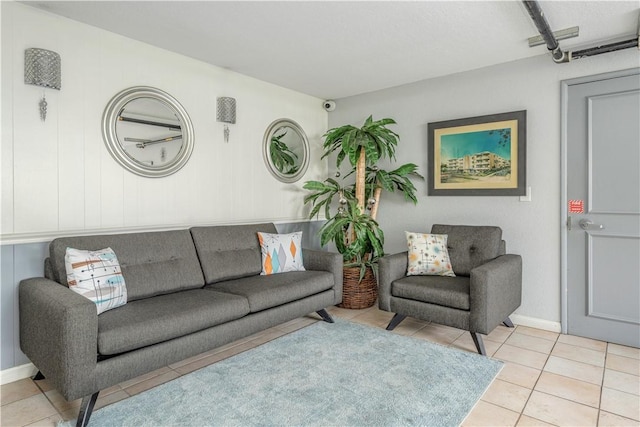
[547, 379]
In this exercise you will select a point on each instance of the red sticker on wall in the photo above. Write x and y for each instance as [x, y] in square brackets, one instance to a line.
[576, 206]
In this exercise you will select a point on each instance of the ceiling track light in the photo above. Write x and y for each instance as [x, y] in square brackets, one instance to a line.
[551, 38]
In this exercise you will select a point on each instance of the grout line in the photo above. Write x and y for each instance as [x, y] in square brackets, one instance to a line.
[604, 371]
[533, 388]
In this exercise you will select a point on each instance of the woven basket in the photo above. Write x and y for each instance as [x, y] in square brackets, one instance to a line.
[358, 295]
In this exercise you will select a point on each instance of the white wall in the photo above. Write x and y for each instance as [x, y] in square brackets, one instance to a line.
[531, 229]
[58, 177]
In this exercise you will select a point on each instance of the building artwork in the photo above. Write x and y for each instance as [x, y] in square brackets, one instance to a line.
[477, 163]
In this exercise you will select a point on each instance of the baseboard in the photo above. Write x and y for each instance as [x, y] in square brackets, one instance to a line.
[534, 322]
[17, 373]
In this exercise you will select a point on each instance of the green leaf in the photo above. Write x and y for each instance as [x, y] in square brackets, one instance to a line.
[315, 211]
[314, 185]
[376, 243]
[340, 158]
[405, 169]
[385, 181]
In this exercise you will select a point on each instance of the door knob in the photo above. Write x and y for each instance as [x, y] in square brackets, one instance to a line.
[585, 224]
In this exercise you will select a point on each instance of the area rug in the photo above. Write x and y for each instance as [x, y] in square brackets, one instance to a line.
[341, 374]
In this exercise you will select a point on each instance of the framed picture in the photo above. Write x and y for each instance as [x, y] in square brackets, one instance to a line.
[478, 156]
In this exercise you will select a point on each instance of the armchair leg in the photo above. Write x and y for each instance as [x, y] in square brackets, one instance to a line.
[325, 316]
[38, 376]
[477, 340]
[507, 322]
[86, 408]
[395, 321]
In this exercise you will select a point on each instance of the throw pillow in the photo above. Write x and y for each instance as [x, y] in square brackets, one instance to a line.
[96, 275]
[281, 252]
[428, 255]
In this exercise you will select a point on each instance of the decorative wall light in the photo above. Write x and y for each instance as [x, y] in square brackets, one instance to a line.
[42, 68]
[226, 113]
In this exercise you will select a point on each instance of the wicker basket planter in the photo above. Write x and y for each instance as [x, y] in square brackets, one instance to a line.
[358, 295]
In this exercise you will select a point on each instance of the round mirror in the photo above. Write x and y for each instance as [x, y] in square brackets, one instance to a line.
[286, 150]
[147, 131]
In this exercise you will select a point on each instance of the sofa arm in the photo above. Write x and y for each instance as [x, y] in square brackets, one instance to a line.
[390, 268]
[59, 333]
[495, 292]
[326, 261]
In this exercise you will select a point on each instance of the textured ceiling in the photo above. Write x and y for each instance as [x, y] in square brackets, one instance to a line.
[333, 49]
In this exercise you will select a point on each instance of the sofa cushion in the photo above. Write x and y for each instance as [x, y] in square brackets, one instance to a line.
[229, 251]
[164, 317]
[265, 292]
[445, 291]
[96, 275]
[152, 263]
[470, 246]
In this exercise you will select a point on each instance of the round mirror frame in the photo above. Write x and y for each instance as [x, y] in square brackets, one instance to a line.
[266, 152]
[110, 119]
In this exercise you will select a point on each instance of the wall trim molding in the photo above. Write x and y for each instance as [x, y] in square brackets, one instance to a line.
[17, 373]
[534, 322]
[47, 236]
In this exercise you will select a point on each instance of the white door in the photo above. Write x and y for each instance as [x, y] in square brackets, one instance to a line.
[603, 207]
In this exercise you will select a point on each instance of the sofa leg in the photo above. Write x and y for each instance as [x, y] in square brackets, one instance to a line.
[325, 316]
[38, 376]
[86, 408]
[507, 322]
[395, 321]
[477, 340]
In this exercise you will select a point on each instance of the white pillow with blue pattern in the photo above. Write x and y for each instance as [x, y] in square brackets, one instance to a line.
[428, 255]
[96, 275]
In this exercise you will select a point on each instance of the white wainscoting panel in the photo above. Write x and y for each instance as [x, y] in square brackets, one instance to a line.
[62, 177]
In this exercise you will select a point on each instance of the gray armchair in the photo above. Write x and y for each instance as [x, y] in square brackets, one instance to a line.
[487, 288]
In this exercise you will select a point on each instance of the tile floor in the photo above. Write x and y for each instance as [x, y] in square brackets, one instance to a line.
[547, 379]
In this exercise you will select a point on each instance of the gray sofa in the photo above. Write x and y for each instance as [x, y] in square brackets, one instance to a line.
[189, 291]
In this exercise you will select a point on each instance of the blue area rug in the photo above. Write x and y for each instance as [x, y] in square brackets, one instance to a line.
[341, 374]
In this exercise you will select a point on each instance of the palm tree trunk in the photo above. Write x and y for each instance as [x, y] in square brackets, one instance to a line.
[361, 169]
[376, 196]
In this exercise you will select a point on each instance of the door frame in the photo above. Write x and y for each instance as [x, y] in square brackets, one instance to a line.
[564, 212]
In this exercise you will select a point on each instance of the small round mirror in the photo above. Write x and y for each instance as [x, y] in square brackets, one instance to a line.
[147, 131]
[286, 150]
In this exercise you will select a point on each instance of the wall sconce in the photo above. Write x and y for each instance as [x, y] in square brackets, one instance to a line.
[42, 68]
[226, 113]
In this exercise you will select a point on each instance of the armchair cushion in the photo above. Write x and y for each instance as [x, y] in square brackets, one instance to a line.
[470, 246]
[446, 291]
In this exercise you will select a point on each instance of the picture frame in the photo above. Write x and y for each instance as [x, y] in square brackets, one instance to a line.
[478, 156]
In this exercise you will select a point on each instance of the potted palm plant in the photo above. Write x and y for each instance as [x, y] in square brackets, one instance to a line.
[353, 227]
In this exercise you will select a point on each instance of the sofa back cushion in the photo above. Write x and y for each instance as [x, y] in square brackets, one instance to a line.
[229, 251]
[470, 246]
[152, 263]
